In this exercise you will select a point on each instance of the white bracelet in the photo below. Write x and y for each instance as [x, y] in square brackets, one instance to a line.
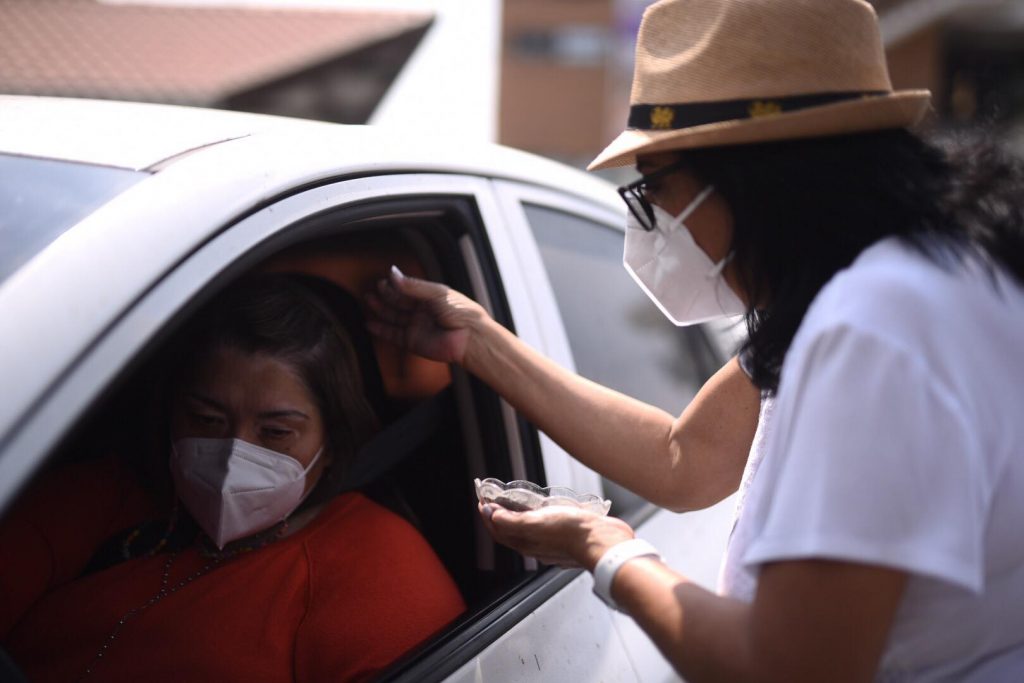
[612, 560]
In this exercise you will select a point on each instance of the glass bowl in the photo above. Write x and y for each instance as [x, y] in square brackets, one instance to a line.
[525, 495]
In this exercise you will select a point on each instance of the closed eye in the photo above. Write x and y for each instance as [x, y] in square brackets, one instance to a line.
[206, 419]
[276, 433]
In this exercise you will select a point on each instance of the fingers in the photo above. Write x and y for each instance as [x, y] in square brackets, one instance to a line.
[389, 295]
[528, 533]
[400, 294]
[384, 312]
[414, 287]
[393, 334]
[560, 561]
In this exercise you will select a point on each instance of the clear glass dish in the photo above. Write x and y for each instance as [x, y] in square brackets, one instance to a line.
[525, 495]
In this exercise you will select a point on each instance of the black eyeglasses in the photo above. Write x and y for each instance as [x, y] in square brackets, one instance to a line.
[635, 195]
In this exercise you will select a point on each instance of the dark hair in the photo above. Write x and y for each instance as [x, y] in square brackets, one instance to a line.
[289, 318]
[805, 209]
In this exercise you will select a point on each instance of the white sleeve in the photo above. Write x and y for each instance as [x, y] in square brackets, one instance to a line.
[873, 462]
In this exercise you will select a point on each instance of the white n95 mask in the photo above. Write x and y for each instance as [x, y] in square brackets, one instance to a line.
[677, 275]
[233, 488]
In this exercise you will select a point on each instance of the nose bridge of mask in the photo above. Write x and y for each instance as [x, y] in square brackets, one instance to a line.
[269, 458]
[271, 462]
[268, 465]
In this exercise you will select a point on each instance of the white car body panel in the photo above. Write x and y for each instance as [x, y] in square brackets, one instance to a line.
[571, 637]
[38, 127]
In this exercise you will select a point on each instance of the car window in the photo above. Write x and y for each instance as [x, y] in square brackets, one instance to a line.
[41, 198]
[418, 529]
[618, 337]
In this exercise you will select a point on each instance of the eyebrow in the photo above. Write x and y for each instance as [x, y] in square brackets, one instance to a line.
[207, 400]
[267, 414]
[283, 413]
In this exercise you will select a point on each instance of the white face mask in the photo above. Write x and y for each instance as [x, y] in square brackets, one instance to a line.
[675, 272]
[233, 488]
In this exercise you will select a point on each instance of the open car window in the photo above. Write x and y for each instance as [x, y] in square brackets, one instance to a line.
[105, 499]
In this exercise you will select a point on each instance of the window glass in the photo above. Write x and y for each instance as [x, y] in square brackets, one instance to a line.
[619, 338]
[42, 198]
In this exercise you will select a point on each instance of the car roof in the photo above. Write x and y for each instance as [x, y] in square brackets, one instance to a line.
[144, 136]
[129, 135]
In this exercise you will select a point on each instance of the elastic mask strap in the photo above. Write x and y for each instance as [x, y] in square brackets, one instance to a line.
[309, 492]
[721, 265]
[697, 201]
[313, 461]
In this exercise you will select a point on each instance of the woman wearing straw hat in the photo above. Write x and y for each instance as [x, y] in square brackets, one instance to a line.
[882, 279]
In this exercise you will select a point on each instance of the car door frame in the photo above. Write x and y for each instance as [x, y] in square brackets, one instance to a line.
[233, 248]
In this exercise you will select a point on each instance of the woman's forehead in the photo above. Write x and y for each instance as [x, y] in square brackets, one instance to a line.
[227, 370]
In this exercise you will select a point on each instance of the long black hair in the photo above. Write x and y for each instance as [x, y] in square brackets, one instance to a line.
[805, 209]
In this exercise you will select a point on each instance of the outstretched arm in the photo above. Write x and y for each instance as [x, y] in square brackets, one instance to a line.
[682, 463]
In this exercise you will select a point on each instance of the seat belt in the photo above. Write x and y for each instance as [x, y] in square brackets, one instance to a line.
[396, 441]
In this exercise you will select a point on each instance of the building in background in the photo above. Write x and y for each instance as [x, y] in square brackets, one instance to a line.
[548, 76]
[319, 64]
[425, 64]
[567, 66]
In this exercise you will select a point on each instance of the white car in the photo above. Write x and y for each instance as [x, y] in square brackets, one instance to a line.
[117, 220]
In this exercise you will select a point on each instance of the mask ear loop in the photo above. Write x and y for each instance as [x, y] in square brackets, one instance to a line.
[305, 473]
[313, 461]
[720, 266]
[697, 201]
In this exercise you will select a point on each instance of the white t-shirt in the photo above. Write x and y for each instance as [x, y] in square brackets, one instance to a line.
[734, 579]
[897, 439]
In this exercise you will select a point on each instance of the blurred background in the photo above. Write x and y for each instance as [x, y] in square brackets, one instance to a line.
[548, 76]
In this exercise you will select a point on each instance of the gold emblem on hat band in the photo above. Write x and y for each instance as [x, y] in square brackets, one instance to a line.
[661, 118]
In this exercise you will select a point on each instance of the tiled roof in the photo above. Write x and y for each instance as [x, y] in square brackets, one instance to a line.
[185, 54]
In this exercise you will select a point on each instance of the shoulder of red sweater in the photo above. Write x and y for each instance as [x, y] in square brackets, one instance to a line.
[354, 517]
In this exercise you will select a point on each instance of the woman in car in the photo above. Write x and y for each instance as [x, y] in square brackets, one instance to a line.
[258, 571]
[882, 279]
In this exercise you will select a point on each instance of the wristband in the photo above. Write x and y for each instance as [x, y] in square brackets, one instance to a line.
[612, 560]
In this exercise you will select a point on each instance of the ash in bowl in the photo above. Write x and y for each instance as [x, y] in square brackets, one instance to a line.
[520, 496]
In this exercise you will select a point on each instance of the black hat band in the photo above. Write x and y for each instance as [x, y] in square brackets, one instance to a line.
[676, 116]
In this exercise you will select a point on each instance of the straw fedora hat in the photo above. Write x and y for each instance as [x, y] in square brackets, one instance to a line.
[725, 72]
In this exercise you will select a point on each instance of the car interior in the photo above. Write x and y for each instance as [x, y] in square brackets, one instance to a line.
[441, 428]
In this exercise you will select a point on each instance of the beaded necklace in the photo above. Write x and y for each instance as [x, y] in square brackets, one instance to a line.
[165, 590]
[206, 550]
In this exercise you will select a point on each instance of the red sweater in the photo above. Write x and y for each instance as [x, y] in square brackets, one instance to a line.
[338, 600]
